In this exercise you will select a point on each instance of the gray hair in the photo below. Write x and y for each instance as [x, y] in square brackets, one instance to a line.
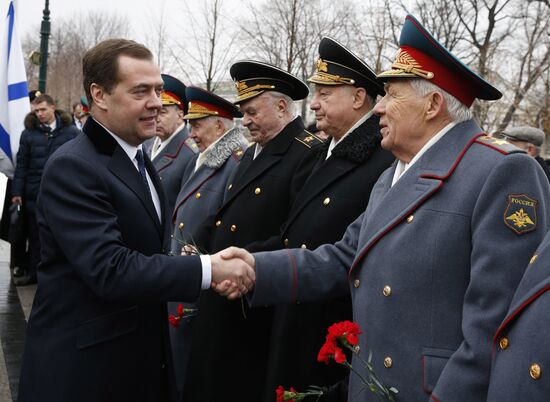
[227, 123]
[276, 96]
[458, 112]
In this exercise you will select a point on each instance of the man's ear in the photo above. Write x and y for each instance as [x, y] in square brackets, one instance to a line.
[359, 98]
[435, 105]
[99, 96]
[282, 107]
[220, 128]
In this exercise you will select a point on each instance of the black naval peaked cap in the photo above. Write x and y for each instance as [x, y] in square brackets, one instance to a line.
[253, 78]
[173, 92]
[337, 65]
[204, 104]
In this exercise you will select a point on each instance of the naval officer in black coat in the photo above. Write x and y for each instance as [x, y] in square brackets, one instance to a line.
[233, 341]
[335, 194]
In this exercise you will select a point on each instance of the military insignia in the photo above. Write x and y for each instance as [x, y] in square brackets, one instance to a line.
[498, 144]
[192, 145]
[493, 140]
[322, 65]
[241, 86]
[521, 213]
[407, 65]
[308, 139]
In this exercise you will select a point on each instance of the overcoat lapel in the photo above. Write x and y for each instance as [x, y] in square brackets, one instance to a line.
[194, 182]
[329, 172]
[415, 187]
[271, 154]
[171, 151]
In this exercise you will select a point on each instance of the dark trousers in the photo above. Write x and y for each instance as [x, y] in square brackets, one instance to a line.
[34, 242]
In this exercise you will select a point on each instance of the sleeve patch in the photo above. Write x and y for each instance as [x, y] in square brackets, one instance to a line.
[521, 213]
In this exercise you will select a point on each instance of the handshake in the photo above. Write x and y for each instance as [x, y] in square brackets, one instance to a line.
[233, 272]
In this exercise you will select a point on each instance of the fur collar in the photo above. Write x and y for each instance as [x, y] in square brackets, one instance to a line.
[360, 143]
[63, 119]
[231, 141]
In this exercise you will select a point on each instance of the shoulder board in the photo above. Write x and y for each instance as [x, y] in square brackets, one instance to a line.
[498, 144]
[237, 154]
[308, 139]
[191, 145]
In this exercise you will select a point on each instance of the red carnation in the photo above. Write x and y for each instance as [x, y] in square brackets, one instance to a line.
[280, 392]
[344, 331]
[180, 309]
[174, 321]
[330, 351]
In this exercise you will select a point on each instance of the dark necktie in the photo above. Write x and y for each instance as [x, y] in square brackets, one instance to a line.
[141, 168]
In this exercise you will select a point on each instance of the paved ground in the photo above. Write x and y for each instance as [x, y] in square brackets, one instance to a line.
[15, 306]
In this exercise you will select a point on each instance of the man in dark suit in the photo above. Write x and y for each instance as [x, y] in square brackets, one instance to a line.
[433, 262]
[257, 202]
[97, 331]
[334, 195]
[172, 150]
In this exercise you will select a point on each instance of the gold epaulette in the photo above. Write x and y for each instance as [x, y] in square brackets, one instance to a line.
[498, 144]
[191, 145]
[308, 139]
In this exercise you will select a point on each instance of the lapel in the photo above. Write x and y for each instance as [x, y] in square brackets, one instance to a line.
[416, 185]
[328, 172]
[171, 151]
[352, 151]
[122, 167]
[195, 181]
[271, 154]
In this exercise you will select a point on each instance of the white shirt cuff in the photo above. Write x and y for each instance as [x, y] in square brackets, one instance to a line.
[206, 263]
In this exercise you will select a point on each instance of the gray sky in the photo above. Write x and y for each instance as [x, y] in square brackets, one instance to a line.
[30, 11]
[138, 12]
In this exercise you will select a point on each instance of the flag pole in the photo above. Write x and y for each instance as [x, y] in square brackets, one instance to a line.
[44, 38]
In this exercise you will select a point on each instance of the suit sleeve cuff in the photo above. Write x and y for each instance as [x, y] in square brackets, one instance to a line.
[206, 263]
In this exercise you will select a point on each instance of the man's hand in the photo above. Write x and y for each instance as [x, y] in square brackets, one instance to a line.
[17, 200]
[233, 272]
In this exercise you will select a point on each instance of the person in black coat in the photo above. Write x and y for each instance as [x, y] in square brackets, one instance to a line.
[335, 194]
[97, 330]
[232, 339]
[46, 129]
[530, 139]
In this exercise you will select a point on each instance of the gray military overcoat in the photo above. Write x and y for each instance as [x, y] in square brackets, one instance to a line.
[432, 265]
[521, 346]
[172, 161]
[200, 197]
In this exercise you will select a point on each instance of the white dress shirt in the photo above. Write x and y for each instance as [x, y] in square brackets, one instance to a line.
[402, 167]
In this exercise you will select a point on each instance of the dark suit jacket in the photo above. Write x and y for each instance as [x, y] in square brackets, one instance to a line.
[97, 329]
[172, 162]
